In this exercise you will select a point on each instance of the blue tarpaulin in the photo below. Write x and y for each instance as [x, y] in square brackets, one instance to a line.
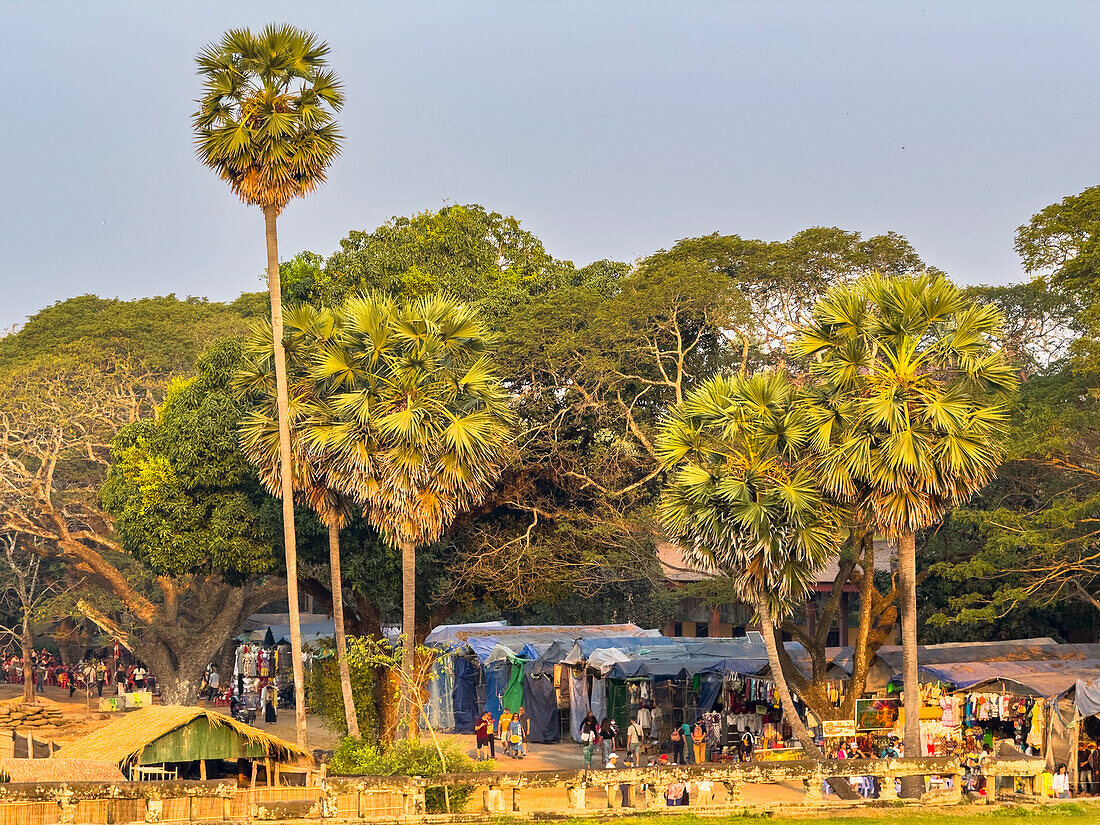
[465, 695]
[496, 681]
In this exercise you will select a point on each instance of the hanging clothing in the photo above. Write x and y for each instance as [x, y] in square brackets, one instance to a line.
[598, 701]
[578, 701]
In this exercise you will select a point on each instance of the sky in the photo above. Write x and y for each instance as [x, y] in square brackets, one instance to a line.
[610, 129]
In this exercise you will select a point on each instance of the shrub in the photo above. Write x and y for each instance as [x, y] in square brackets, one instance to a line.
[404, 758]
[327, 701]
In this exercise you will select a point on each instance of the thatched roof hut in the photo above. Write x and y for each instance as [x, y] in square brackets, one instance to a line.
[59, 770]
[172, 734]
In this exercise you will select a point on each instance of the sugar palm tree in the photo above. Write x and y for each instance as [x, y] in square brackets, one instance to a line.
[265, 125]
[910, 414]
[306, 328]
[420, 428]
[742, 501]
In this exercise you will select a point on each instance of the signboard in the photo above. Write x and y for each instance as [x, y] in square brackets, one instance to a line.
[877, 714]
[838, 728]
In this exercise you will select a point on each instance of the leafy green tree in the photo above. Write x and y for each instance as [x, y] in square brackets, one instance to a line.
[183, 498]
[306, 329]
[62, 402]
[265, 125]
[1030, 542]
[742, 500]
[480, 257]
[910, 415]
[420, 426]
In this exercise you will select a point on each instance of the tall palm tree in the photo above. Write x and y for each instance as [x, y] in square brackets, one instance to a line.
[742, 501]
[910, 415]
[265, 125]
[420, 428]
[305, 329]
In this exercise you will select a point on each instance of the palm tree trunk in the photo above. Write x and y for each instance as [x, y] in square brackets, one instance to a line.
[338, 622]
[286, 473]
[911, 786]
[767, 627]
[839, 785]
[408, 630]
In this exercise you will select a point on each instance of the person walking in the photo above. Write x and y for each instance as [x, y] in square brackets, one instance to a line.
[699, 744]
[589, 732]
[609, 731]
[214, 682]
[515, 736]
[685, 732]
[88, 675]
[268, 698]
[483, 730]
[100, 677]
[503, 730]
[677, 746]
[635, 737]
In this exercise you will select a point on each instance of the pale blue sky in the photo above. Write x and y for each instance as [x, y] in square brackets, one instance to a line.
[610, 129]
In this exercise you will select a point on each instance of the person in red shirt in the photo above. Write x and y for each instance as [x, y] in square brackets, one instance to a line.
[483, 730]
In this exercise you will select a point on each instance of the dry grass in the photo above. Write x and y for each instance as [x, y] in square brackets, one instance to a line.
[127, 737]
[59, 770]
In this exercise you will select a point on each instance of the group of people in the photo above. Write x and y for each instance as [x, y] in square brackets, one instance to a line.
[690, 742]
[88, 674]
[512, 729]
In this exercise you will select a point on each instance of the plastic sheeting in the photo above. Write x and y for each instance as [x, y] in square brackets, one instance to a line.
[578, 702]
[1087, 694]
[709, 691]
[441, 689]
[496, 681]
[1046, 678]
[541, 702]
[513, 692]
[598, 700]
[1061, 748]
[465, 694]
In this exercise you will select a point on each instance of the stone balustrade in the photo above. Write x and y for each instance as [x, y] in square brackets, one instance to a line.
[402, 799]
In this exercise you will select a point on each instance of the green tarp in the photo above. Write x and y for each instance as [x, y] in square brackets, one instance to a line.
[513, 693]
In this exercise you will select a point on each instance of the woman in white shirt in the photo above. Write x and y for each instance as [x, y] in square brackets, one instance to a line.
[1060, 783]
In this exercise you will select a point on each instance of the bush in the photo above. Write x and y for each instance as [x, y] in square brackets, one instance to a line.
[406, 758]
[327, 701]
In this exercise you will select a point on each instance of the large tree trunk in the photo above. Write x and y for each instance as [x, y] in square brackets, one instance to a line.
[28, 667]
[408, 629]
[286, 473]
[338, 623]
[767, 627]
[911, 786]
[839, 785]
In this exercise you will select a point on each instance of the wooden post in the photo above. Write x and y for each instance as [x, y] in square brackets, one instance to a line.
[202, 769]
[268, 771]
[278, 773]
[255, 767]
[1074, 755]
